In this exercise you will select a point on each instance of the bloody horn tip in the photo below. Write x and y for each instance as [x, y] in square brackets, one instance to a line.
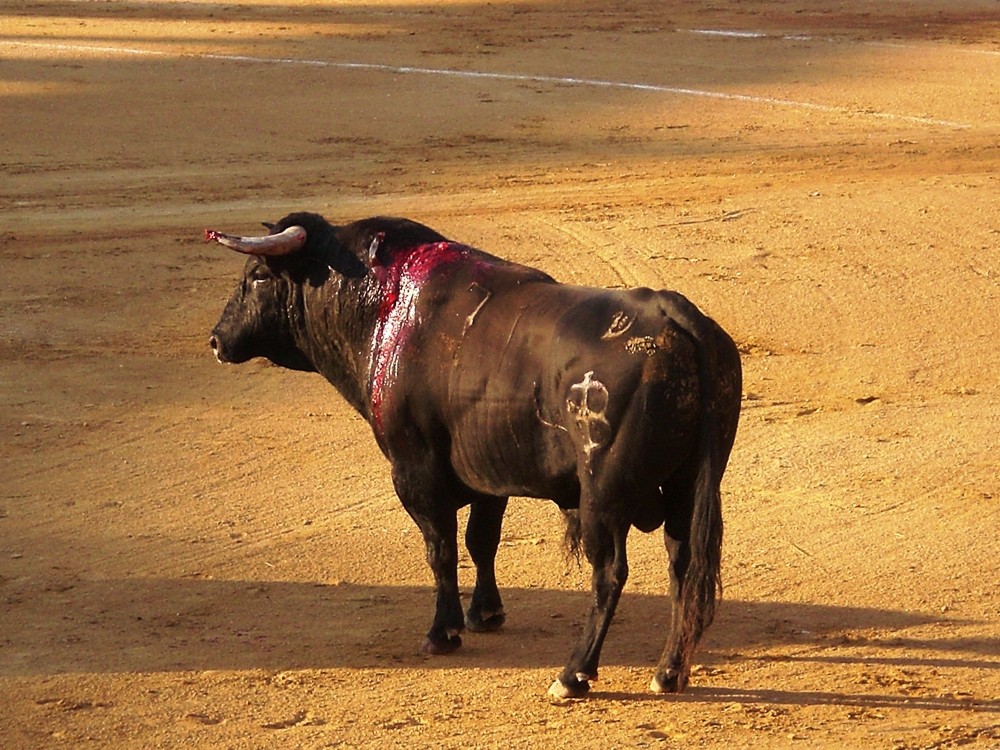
[281, 243]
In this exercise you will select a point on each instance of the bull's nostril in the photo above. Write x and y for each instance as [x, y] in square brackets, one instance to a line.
[214, 343]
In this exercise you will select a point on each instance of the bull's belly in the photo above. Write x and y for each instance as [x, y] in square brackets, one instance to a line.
[640, 449]
[507, 464]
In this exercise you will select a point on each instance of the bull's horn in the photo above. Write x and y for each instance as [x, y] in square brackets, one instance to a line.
[282, 243]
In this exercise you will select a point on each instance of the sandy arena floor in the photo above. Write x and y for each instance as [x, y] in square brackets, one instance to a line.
[200, 556]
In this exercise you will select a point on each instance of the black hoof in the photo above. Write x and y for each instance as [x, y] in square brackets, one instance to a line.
[670, 681]
[573, 689]
[475, 623]
[441, 646]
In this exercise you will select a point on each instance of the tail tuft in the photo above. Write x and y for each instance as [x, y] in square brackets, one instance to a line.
[573, 538]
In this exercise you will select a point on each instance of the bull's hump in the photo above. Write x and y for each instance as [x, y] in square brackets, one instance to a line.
[408, 270]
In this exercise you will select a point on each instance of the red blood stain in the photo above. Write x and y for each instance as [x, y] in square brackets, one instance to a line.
[401, 281]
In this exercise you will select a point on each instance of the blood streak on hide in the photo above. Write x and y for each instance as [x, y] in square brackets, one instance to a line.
[401, 281]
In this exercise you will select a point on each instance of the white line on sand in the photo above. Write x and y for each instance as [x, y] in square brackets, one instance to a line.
[516, 77]
[806, 37]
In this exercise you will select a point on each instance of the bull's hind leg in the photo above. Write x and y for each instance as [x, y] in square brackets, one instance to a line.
[482, 537]
[692, 531]
[672, 671]
[604, 545]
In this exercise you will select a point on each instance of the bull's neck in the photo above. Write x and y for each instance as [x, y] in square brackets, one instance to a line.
[333, 332]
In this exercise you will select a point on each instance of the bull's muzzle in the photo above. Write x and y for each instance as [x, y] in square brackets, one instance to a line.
[214, 343]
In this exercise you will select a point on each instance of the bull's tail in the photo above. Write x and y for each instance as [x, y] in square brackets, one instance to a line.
[701, 586]
[573, 539]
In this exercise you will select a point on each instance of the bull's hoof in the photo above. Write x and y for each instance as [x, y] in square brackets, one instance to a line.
[476, 623]
[668, 682]
[442, 646]
[575, 689]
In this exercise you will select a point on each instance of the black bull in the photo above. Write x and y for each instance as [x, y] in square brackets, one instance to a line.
[483, 379]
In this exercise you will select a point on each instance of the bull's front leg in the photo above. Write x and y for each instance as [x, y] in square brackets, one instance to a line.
[440, 529]
[431, 505]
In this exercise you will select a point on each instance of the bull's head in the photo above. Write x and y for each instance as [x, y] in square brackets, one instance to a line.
[259, 320]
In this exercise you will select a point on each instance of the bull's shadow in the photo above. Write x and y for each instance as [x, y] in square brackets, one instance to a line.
[143, 625]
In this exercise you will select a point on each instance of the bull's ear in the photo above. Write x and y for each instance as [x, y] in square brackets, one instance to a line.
[340, 260]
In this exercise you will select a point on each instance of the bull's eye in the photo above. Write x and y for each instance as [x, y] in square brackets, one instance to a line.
[260, 276]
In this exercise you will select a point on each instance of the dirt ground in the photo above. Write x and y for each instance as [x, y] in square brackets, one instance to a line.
[194, 555]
